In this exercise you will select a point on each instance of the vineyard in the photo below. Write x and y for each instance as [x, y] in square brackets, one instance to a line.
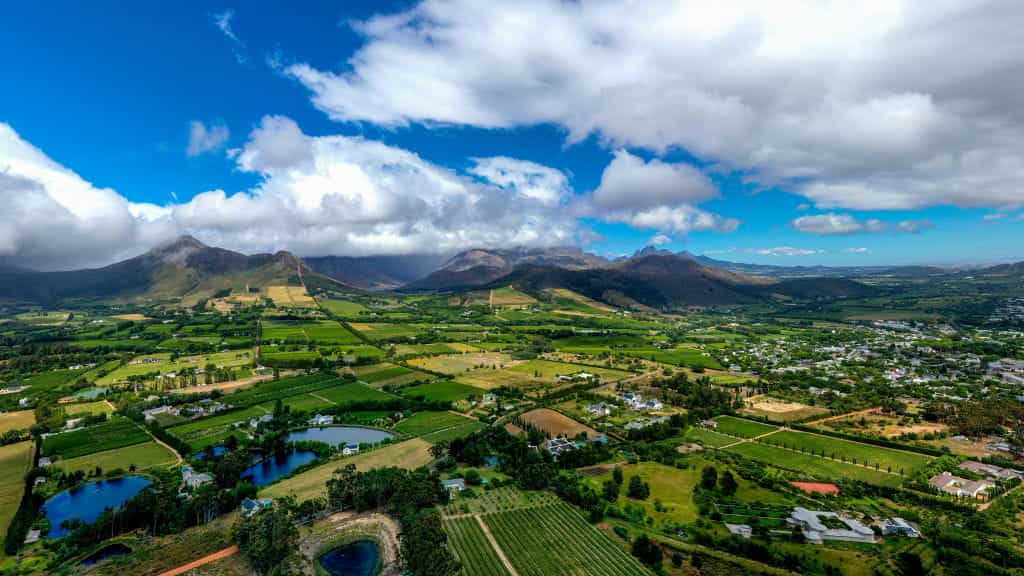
[472, 547]
[116, 433]
[556, 540]
[280, 389]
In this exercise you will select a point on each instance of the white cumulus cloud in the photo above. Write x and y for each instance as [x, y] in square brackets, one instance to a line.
[833, 224]
[203, 138]
[790, 93]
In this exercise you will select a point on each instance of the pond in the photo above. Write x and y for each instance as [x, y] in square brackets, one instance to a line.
[274, 467]
[356, 559]
[91, 393]
[218, 451]
[87, 502]
[341, 435]
[104, 553]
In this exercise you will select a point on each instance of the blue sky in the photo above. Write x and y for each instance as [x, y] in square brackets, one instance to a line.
[110, 92]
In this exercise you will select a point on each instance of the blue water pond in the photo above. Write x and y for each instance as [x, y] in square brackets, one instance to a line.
[87, 502]
[355, 559]
[341, 435]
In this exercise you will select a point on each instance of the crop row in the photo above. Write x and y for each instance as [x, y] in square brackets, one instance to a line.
[117, 433]
[556, 540]
[475, 552]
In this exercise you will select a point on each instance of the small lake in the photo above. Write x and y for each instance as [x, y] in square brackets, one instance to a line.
[218, 451]
[355, 559]
[341, 435]
[269, 470]
[91, 393]
[109, 552]
[86, 503]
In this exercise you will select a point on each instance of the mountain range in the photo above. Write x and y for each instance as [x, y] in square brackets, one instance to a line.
[187, 270]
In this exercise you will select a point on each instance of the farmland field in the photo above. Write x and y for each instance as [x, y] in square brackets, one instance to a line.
[436, 348]
[209, 431]
[557, 424]
[862, 453]
[98, 407]
[742, 428]
[410, 454]
[21, 420]
[556, 540]
[270, 391]
[814, 466]
[351, 392]
[442, 391]
[343, 308]
[427, 422]
[15, 462]
[458, 431]
[163, 364]
[777, 409]
[289, 296]
[459, 363]
[471, 546]
[384, 331]
[682, 356]
[510, 297]
[143, 456]
[708, 438]
[535, 374]
[116, 433]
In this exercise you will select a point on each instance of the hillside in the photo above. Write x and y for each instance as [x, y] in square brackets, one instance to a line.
[376, 272]
[663, 280]
[478, 267]
[183, 269]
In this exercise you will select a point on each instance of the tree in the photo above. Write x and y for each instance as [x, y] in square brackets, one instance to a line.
[617, 475]
[268, 538]
[638, 489]
[611, 490]
[727, 483]
[646, 550]
[437, 451]
[709, 477]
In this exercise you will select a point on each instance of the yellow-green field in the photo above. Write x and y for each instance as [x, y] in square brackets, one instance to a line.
[162, 363]
[143, 456]
[313, 483]
[88, 408]
[17, 420]
[289, 296]
[15, 462]
[455, 364]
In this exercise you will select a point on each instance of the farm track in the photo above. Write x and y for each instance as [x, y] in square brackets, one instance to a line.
[854, 414]
[741, 440]
[184, 568]
[494, 544]
[319, 397]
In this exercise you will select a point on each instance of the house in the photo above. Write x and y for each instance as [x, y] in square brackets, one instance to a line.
[900, 527]
[991, 470]
[193, 480]
[652, 405]
[45, 461]
[320, 420]
[250, 506]
[741, 530]
[350, 449]
[488, 399]
[709, 424]
[559, 446]
[818, 526]
[152, 413]
[958, 486]
[600, 409]
[255, 422]
[454, 485]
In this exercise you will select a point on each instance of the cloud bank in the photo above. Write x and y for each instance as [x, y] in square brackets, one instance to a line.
[851, 117]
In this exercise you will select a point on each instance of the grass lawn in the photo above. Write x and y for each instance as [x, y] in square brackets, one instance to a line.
[145, 455]
[708, 438]
[20, 420]
[898, 460]
[742, 428]
[674, 487]
[449, 434]
[813, 466]
[162, 364]
[442, 391]
[313, 483]
[116, 433]
[427, 422]
[385, 331]
[15, 462]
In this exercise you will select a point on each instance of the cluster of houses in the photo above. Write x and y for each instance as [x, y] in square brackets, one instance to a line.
[954, 485]
[636, 402]
[817, 526]
[1008, 370]
[205, 407]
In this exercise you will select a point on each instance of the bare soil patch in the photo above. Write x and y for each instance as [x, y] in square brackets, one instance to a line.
[557, 424]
